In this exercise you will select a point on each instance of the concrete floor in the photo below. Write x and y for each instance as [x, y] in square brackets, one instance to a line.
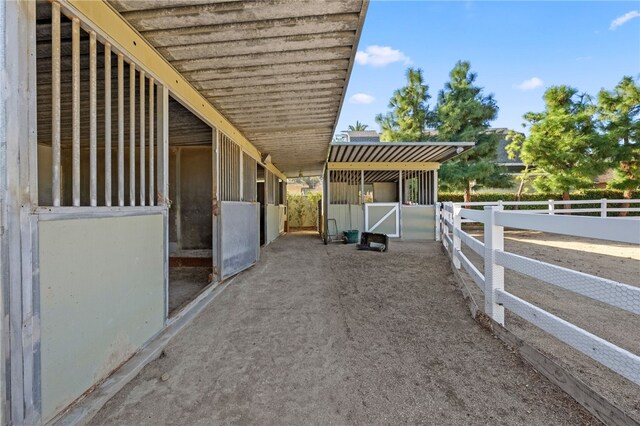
[318, 334]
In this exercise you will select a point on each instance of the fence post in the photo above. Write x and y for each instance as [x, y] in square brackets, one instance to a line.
[603, 207]
[551, 207]
[439, 212]
[457, 221]
[493, 273]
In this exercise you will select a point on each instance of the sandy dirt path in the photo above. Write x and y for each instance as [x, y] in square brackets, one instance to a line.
[318, 334]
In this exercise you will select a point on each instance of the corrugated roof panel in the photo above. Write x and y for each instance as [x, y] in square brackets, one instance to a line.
[399, 152]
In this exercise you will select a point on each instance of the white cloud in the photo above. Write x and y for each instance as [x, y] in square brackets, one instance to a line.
[621, 20]
[379, 56]
[361, 98]
[532, 83]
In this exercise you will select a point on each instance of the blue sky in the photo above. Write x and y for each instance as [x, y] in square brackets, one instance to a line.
[517, 49]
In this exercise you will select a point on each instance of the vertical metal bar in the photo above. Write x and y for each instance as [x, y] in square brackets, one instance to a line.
[132, 134]
[93, 124]
[362, 198]
[55, 100]
[163, 146]
[435, 187]
[75, 113]
[120, 130]
[152, 141]
[107, 124]
[400, 186]
[241, 169]
[178, 194]
[143, 179]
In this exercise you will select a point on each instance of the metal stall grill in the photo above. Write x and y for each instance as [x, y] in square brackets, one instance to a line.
[273, 191]
[96, 121]
[418, 187]
[249, 178]
[230, 170]
[345, 187]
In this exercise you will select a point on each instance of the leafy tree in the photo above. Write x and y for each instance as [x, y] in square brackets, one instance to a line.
[358, 127]
[619, 112]
[310, 181]
[463, 114]
[564, 144]
[512, 149]
[409, 113]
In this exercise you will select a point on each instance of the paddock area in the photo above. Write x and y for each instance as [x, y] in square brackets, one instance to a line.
[615, 261]
[331, 335]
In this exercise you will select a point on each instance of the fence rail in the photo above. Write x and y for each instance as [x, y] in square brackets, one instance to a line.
[495, 219]
[604, 206]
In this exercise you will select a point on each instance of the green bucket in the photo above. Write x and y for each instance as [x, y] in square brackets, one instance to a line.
[351, 236]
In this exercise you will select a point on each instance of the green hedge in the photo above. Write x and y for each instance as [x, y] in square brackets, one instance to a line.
[587, 194]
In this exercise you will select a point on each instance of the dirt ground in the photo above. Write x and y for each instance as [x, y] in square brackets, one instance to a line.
[317, 334]
[184, 285]
[619, 262]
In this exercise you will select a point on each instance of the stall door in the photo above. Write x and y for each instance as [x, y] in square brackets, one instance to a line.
[239, 236]
[383, 218]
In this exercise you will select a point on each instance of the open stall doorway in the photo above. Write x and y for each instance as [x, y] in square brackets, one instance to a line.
[261, 188]
[190, 190]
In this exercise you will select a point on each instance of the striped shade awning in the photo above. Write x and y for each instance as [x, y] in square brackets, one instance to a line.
[395, 152]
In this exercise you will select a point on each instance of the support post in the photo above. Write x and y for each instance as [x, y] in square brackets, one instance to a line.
[327, 203]
[457, 222]
[19, 307]
[603, 207]
[162, 133]
[437, 206]
[551, 207]
[493, 273]
[162, 176]
[215, 196]
[152, 142]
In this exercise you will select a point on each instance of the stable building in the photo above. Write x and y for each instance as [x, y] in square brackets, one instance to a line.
[144, 152]
[384, 187]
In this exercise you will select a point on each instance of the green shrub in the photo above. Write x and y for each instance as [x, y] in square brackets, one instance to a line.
[303, 209]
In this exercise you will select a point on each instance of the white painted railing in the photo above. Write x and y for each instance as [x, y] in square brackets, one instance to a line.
[495, 219]
[605, 206]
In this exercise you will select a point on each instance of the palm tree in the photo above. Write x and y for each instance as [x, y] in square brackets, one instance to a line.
[359, 127]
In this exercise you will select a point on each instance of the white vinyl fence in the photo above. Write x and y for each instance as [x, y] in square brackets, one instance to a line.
[495, 219]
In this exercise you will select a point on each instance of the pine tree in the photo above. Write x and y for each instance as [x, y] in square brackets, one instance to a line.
[409, 113]
[463, 115]
[564, 144]
[619, 112]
